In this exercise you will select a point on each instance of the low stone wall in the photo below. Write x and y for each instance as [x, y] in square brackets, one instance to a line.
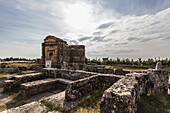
[35, 87]
[123, 96]
[1, 84]
[67, 74]
[9, 70]
[15, 81]
[84, 87]
[160, 80]
[98, 69]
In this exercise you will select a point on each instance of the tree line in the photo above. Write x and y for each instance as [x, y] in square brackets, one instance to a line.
[16, 59]
[127, 61]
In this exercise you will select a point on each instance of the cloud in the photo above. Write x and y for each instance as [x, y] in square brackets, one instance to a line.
[136, 7]
[146, 39]
[139, 32]
[109, 52]
[166, 38]
[97, 33]
[133, 39]
[157, 22]
[113, 31]
[125, 51]
[73, 42]
[105, 25]
[99, 38]
[84, 38]
[120, 44]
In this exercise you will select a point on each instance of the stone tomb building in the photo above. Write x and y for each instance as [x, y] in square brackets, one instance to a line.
[57, 53]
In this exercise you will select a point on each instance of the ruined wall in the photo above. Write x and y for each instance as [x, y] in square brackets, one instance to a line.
[123, 96]
[9, 70]
[83, 87]
[98, 69]
[35, 87]
[15, 81]
[84, 82]
[66, 74]
[76, 74]
[160, 80]
[77, 53]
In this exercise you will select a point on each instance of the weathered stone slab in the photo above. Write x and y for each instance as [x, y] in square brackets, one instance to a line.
[108, 71]
[9, 70]
[98, 69]
[64, 81]
[35, 87]
[33, 107]
[123, 96]
[83, 87]
[16, 80]
[119, 72]
[160, 80]
[27, 77]
[158, 66]
[9, 84]
[67, 74]
[1, 84]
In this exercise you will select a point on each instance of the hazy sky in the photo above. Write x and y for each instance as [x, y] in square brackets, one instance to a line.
[108, 28]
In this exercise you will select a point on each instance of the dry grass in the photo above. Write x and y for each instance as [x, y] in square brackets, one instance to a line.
[88, 109]
[154, 103]
[7, 97]
[2, 107]
[1, 90]
[14, 95]
[15, 65]
[4, 75]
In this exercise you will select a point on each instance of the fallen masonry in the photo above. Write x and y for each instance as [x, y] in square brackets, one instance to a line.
[122, 97]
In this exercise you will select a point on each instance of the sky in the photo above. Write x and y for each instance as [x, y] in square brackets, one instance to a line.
[107, 28]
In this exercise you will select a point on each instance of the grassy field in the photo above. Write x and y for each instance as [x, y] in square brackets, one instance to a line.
[154, 103]
[15, 64]
[134, 67]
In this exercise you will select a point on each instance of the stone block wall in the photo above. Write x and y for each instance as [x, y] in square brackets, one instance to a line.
[123, 96]
[98, 69]
[35, 87]
[9, 70]
[84, 87]
[15, 81]
[66, 74]
[160, 80]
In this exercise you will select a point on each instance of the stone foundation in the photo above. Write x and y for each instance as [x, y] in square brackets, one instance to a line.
[67, 74]
[123, 96]
[15, 81]
[98, 69]
[35, 87]
[83, 87]
[9, 70]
